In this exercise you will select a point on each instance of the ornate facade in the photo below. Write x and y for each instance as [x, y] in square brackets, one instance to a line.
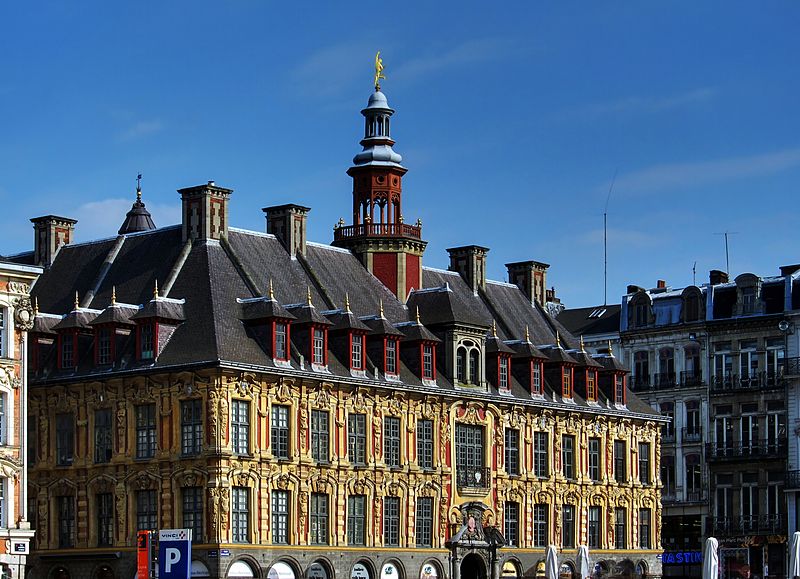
[320, 412]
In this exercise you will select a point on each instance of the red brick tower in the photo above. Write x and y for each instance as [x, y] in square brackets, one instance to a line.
[389, 248]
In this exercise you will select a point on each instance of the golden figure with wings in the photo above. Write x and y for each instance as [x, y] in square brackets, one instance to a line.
[378, 71]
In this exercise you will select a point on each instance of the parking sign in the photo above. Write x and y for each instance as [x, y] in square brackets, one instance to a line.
[175, 553]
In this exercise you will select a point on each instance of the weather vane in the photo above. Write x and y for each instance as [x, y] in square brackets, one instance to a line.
[139, 186]
[378, 71]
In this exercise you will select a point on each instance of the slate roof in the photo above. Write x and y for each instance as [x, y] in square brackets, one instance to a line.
[591, 321]
[209, 289]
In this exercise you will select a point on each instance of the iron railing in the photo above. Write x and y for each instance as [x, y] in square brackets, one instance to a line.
[756, 524]
[755, 449]
[691, 379]
[691, 434]
[756, 381]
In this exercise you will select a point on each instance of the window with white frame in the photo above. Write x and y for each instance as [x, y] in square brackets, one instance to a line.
[240, 426]
[318, 347]
[511, 523]
[279, 431]
[240, 514]
[391, 356]
[281, 351]
[541, 450]
[540, 525]
[425, 444]
[391, 441]
[357, 352]
[319, 519]
[280, 517]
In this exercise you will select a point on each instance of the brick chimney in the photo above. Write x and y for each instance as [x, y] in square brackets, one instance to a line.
[470, 263]
[205, 211]
[288, 224]
[716, 276]
[661, 284]
[531, 278]
[50, 232]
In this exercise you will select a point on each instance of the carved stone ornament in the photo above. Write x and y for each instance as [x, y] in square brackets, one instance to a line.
[189, 479]
[359, 486]
[393, 489]
[283, 390]
[243, 480]
[63, 489]
[23, 313]
[144, 392]
[18, 287]
[8, 377]
[322, 395]
[359, 400]
[283, 482]
[142, 481]
[245, 385]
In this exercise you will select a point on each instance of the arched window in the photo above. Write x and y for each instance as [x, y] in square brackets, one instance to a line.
[641, 369]
[666, 367]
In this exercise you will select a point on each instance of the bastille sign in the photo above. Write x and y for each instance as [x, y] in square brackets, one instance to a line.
[175, 553]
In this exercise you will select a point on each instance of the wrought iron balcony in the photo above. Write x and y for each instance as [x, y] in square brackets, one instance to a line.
[639, 383]
[695, 496]
[756, 381]
[665, 380]
[691, 434]
[668, 435]
[691, 379]
[377, 230]
[755, 449]
[473, 477]
[749, 525]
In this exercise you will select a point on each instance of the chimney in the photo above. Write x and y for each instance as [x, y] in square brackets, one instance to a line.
[50, 232]
[531, 278]
[288, 224]
[470, 263]
[205, 211]
[716, 276]
[661, 284]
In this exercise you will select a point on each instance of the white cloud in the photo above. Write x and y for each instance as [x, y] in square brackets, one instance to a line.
[677, 175]
[141, 129]
[642, 104]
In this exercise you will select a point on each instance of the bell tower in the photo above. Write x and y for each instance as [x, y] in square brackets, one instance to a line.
[388, 247]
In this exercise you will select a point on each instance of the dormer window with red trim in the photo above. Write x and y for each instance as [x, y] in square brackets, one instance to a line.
[280, 347]
[619, 388]
[104, 345]
[68, 350]
[147, 340]
[356, 351]
[566, 382]
[319, 346]
[536, 377]
[390, 356]
[591, 385]
[503, 372]
[427, 352]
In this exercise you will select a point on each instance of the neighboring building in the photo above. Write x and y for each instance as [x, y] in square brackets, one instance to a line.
[16, 318]
[713, 360]
[318, 411]
[598, 327]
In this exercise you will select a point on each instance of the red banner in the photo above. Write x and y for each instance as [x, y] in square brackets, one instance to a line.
[143, 554]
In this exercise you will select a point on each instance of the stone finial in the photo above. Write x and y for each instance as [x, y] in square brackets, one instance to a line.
[271, 291]
[308, 296]
[494, 329]
[155, 289]
[380, 307]
[583, 346]
[347, 303]
[418, 322]
[77, 302]
[36, 306]
[610, 349]
[558, 340]
[113, 295]
[527, 334]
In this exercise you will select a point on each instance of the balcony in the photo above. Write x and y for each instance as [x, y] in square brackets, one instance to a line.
[668, 435]
[665, 380]
[691, 379]
[756, 449]
[749, 525]
[689, 435]
[792, 480]
[377, 230]
[473, 478]
[722, 384]
[640, 383]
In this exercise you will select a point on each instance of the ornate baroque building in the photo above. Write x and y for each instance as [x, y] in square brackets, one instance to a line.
[16, 318]
[323, 411]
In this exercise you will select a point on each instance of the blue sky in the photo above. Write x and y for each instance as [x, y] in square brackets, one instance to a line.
[512, 120]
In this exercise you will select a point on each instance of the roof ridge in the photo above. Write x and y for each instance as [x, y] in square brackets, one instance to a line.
[251, 232]
[330, 247]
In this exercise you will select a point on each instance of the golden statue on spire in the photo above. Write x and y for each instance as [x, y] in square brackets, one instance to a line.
[378, 71]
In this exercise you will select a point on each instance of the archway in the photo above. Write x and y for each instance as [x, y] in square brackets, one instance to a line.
[104, 572]
[473, 567]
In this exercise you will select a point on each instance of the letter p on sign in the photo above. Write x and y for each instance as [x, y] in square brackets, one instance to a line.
[173, 556]
[175, 553]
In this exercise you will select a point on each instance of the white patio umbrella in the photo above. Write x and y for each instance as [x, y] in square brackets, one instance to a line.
[711, 559]
[794, 556]
[551, 563]
[584, 566]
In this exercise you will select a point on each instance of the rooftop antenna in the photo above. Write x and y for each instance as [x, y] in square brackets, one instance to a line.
[605, 240]
[726, 233]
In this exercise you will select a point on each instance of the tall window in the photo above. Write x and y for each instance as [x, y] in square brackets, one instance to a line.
[644, 528]
[281, 351]
[318, 350]
[461, 365]
[694, 478]
[66, 521]
[391, 356]
[146, 510]
[427, 362]
[644, 463]
[641, 369]
[391, 521]
[568, 525]
[424, 519]
[620, 528]
[280, 517]
[668, 475]
[391, 440]
[425, 443]
[775, 357]
[536, 378]
[566, 383]
[619, 388]
[595, 530]
[279, 431]
[469, 455]
[102, 435]
[357, 438]
[65, 439]
[192, 503]
[356, 519]
[511, 523]
[666, 367]
[568, 456]
[240, 426]
[146, 343]
[240, 515]
[474, 365]
[319, 519]
[146, 431]
[105, 520]
[775, 497]
[594, 459]
[104, 345]
[620, 468]
[3, 346]
[540, 524]
[319, 435]
[191, 427]
[591, 385]
[750, 494]
[67, 350]
[541, 448]
[693, 426]
[357, 352]
[776, 426]
[748, 360]
[504, 373]
[512, 451]
[668, 430]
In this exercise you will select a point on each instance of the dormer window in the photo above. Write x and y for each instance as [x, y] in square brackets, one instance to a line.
[281, 340]
[318, 349]
[356, 351]
[68, 354]
[103, 345]
[748, 300]
[591, 385]
[147, 341]
[536, 377]
[390, 356]
[428, 369]
[566, 382]
[468, 363]
[473, 366]
[619, 388]
[503, 369]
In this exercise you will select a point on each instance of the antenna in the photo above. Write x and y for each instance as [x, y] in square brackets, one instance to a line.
[726, 233]
[605, 240]
[694, 273]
